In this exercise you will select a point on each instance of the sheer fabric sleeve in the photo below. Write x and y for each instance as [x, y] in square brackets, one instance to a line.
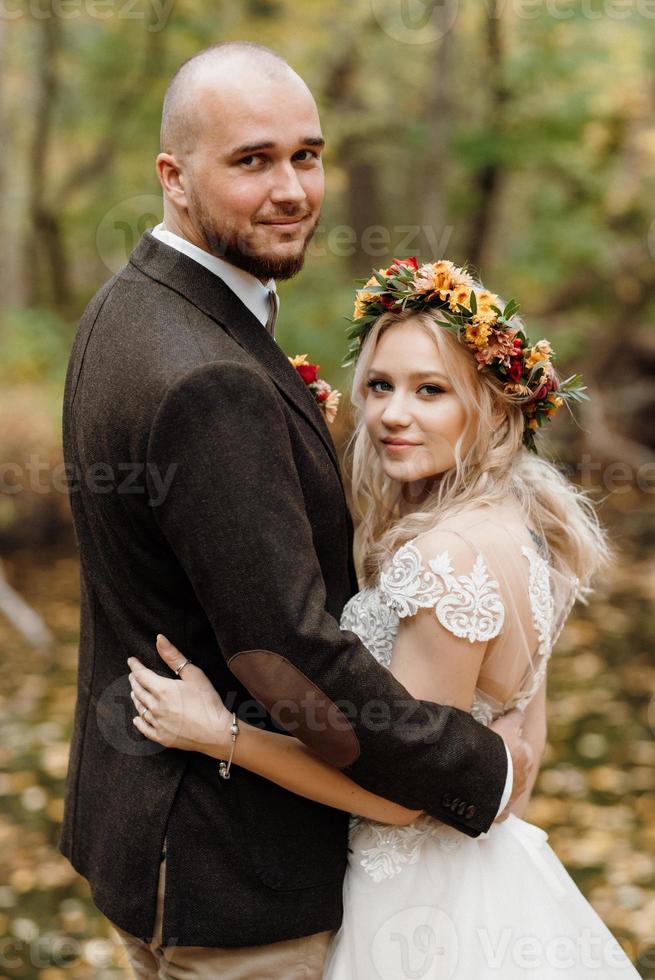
[483, 598]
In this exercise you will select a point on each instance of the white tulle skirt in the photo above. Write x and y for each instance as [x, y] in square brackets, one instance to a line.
[432, 904]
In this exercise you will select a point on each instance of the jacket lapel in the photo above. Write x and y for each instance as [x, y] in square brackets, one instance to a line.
[210, 294]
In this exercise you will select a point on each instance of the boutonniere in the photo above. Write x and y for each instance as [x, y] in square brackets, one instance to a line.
[325, 396]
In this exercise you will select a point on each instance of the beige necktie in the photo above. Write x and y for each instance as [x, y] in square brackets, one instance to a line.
[274, 306]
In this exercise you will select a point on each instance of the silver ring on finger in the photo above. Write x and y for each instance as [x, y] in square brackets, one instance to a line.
[178, 670]
[144, 713]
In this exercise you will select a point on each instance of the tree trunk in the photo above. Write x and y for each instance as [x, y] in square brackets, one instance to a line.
[363, 199]
[46, 261]
[487, 180]
[439, 113]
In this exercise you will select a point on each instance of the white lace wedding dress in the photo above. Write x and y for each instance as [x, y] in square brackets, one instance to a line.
[425, 901]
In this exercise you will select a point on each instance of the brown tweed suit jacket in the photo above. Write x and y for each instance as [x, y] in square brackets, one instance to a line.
[208, 505]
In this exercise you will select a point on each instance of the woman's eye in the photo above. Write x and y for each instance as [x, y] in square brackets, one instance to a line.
[377, 384]
[431, 389]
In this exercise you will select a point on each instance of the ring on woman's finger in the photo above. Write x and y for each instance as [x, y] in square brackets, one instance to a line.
[144, 713]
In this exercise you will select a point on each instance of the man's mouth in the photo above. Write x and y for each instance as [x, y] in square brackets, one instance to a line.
[284, 221]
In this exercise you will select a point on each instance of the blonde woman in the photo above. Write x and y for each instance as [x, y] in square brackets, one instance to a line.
[471, 553]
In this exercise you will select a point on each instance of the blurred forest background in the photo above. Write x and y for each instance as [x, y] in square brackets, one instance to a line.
[518, 136]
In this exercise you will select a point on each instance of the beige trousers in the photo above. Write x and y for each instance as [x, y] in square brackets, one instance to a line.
[292, 959]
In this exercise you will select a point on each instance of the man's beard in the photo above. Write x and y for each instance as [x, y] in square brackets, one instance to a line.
[236, 249]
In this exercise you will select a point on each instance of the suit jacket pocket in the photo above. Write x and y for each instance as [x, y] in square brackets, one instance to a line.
[293, 842]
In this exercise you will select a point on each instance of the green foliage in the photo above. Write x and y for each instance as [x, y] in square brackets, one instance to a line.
[35, 345]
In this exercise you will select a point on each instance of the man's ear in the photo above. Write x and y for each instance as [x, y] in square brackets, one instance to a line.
[171, 178]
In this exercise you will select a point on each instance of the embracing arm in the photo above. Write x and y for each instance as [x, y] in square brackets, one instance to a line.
[428, 659]
[289, 763]
[236, 485]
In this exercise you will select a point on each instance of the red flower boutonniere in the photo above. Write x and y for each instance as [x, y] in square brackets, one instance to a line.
[324, 394]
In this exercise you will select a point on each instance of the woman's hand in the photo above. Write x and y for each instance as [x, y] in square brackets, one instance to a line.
[183, 714]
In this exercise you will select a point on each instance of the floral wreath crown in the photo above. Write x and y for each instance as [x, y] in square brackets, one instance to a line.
[497, 341]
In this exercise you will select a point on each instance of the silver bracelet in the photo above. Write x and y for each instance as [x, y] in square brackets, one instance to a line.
[224, 768]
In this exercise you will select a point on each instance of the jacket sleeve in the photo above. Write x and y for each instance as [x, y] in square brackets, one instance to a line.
[234, 516]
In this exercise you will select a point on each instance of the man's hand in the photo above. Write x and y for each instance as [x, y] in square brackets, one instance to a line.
[510, 729]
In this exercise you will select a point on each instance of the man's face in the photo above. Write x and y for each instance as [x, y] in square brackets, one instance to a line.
[254, 181]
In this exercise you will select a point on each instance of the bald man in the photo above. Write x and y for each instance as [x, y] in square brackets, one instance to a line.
[220, 520]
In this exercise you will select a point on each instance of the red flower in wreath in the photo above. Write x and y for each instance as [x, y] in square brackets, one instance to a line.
[515, 368]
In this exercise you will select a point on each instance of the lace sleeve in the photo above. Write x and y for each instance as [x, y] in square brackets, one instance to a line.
[455, 582]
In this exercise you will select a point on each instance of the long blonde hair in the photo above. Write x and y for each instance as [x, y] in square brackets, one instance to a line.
[495, 466]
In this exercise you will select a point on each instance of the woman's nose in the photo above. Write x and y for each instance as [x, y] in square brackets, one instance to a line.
[396, 414]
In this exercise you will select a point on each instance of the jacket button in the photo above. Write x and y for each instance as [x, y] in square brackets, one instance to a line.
[455, 803]
[470, 812]
[461, 809]
[446, 799]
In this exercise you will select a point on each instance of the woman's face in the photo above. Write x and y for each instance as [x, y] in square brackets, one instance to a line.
[412, 414]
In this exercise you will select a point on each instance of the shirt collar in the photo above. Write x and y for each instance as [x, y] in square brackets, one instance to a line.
[247, 287]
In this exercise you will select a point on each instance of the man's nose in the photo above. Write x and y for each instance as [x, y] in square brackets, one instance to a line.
[286, 187]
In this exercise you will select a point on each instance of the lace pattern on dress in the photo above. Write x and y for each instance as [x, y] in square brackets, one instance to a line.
[373, 622]
[393, 848]
[469, 606]
[541, 599]
[543, 618]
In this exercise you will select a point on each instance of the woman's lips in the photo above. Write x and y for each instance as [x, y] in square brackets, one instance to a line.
[398, 445]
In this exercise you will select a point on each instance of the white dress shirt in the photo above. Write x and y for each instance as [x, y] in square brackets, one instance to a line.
[255, 295]
[250, 290]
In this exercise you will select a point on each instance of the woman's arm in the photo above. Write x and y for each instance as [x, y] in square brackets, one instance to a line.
[431, 662]
[289, 763]
[191, 715]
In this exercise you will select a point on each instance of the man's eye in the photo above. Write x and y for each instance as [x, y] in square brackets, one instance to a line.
[250, 160]
[377, 384]
[304, 155]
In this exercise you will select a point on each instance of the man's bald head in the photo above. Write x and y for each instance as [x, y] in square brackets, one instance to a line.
[240, 165]
[180, 123]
